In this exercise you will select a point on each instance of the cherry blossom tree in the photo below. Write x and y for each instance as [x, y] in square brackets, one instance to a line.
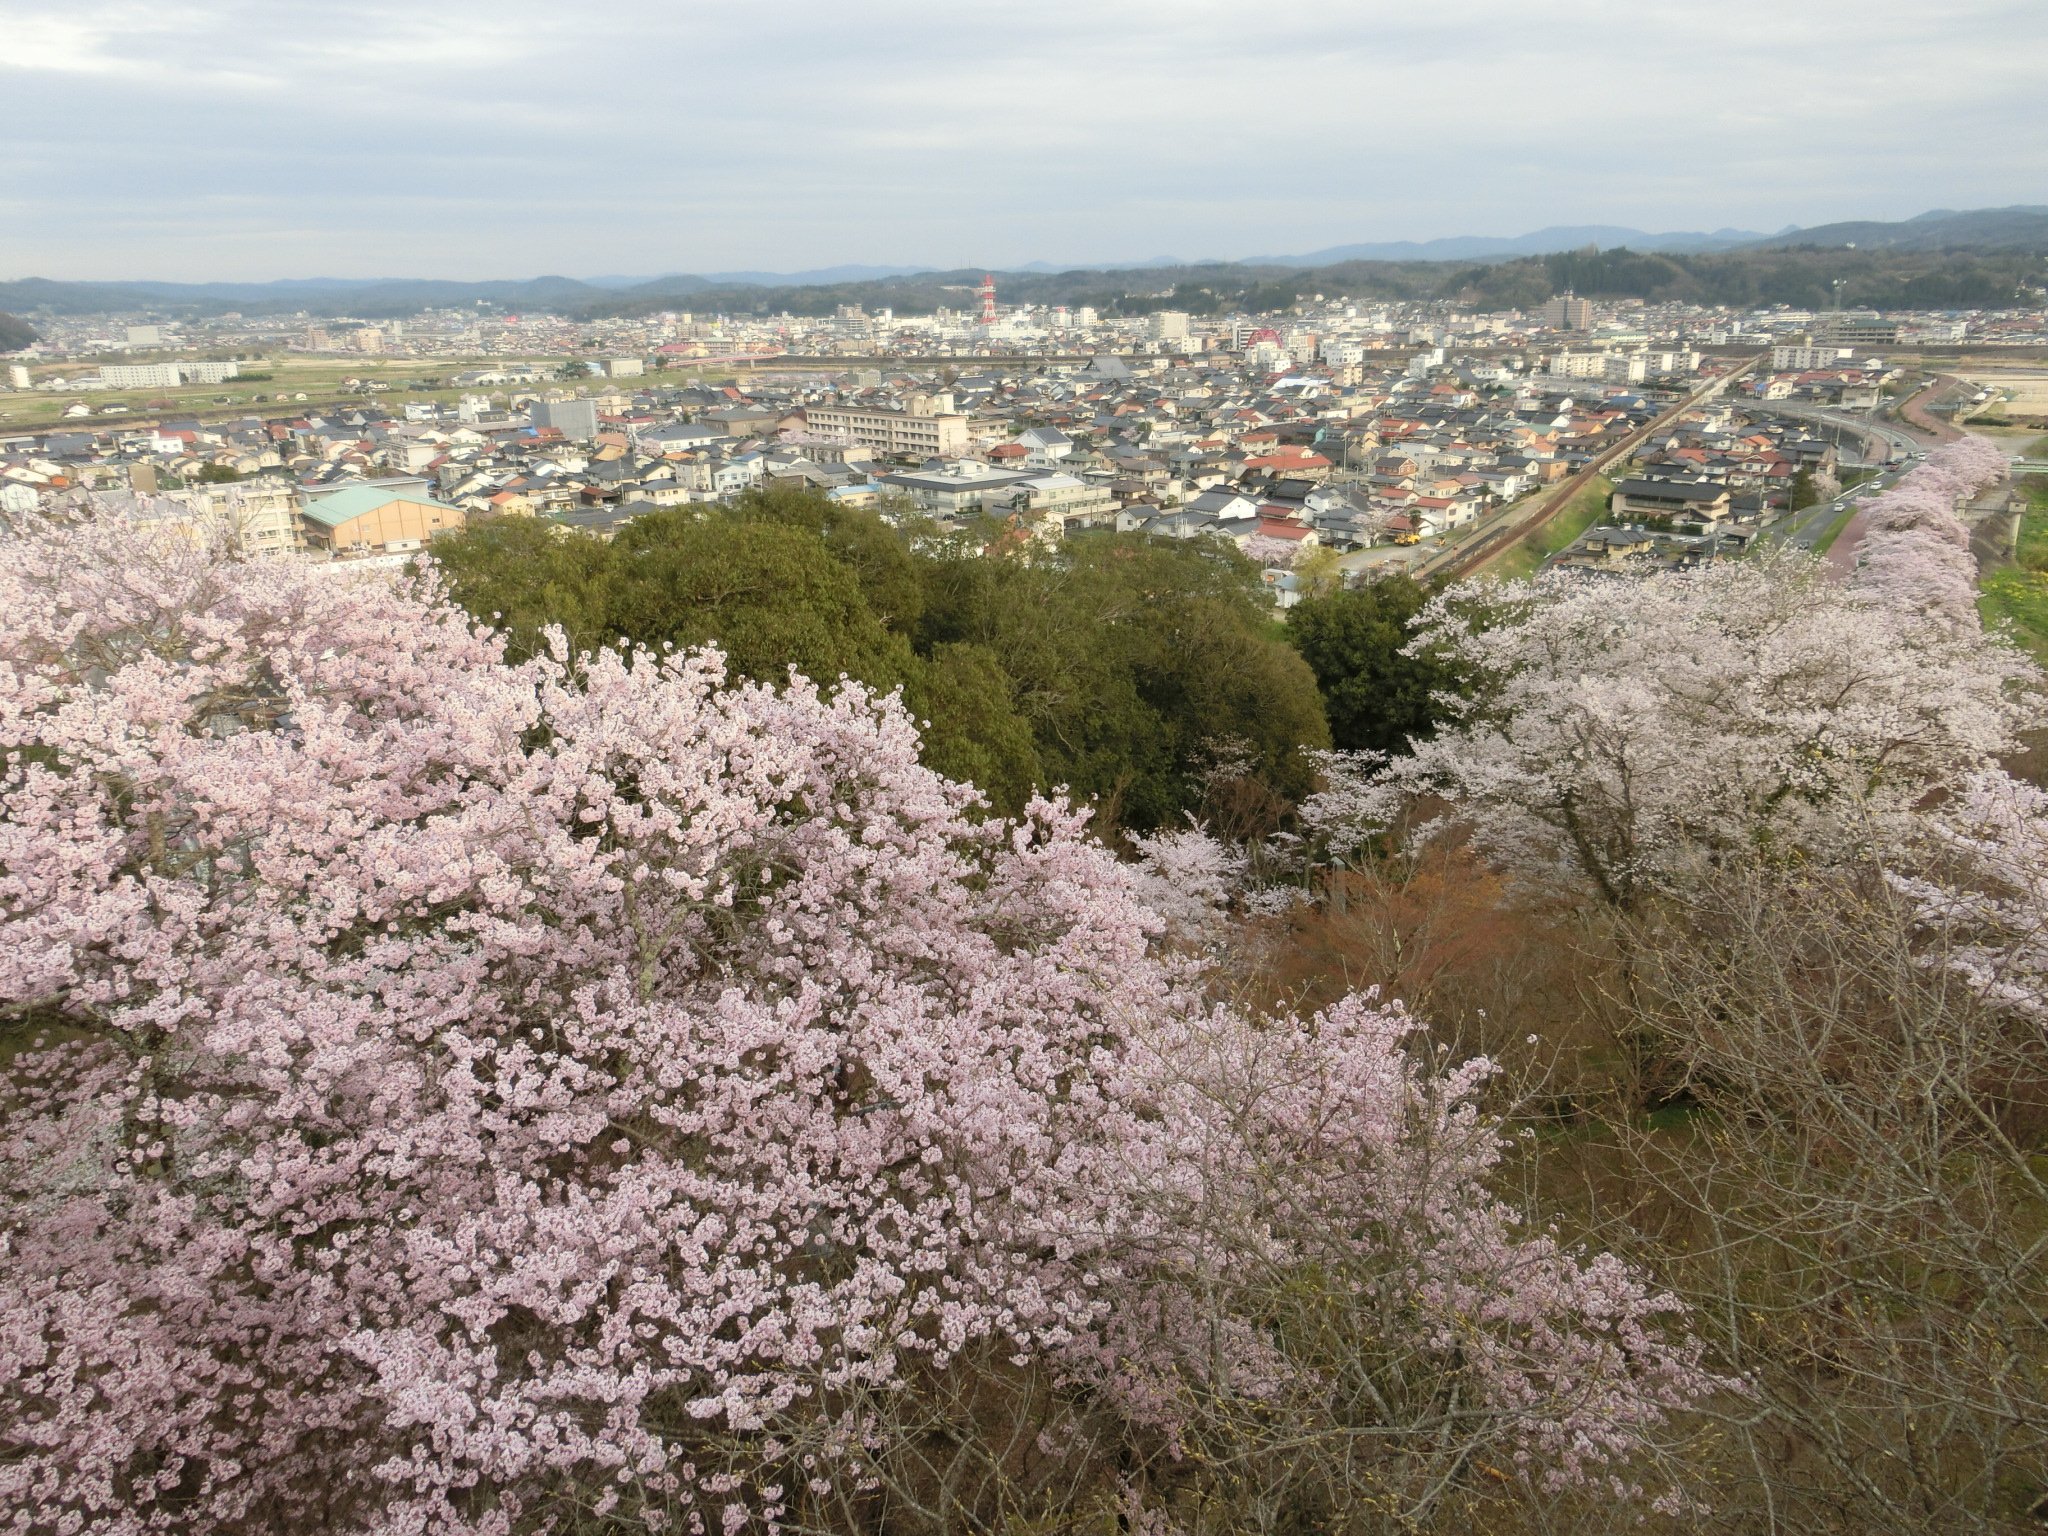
[1757, 704]
[1263, 549]
[1862, 1184]
[1914, 555]
[444, 1095]
[1982, 889]
[1189, 879]
[1803, 909]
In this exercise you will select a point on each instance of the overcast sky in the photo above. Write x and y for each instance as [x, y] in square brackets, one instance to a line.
[245, 139]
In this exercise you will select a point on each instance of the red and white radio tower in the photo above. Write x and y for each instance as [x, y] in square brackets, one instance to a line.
[988, 298]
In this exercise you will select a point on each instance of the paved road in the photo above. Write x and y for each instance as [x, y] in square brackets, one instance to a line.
[1803, 530]
[1899, 442]
[1808, 526]
[1913, 409]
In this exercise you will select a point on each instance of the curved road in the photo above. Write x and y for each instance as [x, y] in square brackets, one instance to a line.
[1899, 442]
[1914, 409]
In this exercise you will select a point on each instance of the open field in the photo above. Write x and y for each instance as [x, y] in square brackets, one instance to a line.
[2019, 395]
[1525, 558]
[2013, 439]
[320, 380]
[1969, 361]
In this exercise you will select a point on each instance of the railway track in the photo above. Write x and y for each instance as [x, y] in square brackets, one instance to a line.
[1468, 556]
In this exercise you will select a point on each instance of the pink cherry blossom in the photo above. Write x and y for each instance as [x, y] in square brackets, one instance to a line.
[1621, 728]
[1981, 889]
[455, 1096]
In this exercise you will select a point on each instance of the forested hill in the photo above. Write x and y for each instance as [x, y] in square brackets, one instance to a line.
[1985, 258]
[1803, 277]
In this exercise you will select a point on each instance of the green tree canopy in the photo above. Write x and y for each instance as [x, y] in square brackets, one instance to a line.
[1118, 667]
[1134, 662]
[770, 594]
[877, 554]
[523, 574]
[961, 697]
[1377, 697]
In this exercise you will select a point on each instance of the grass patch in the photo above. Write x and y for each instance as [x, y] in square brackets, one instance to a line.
[2018, 597]
[2032, 550]
[1580, 513]
[2017, 594]
[1826, 540]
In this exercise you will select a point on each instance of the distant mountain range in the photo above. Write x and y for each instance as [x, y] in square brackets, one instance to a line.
[2022, 228]
[845, 274]
[1941, 229]
[1558, 237]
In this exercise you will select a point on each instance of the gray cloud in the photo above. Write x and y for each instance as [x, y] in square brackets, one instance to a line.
[238, 139]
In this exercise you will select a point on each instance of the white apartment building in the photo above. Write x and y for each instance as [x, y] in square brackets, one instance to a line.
[1577, 365]
[1803, 355]
[912, 434]
[1630, 367]
[1674, 361]
[140, 376]
[166, 375]
[260, 516]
